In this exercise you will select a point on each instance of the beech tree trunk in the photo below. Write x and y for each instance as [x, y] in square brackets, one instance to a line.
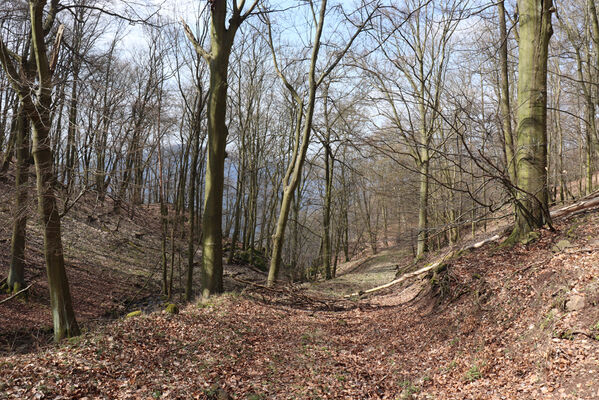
[423, 211]
[223, 28]
[531, 152]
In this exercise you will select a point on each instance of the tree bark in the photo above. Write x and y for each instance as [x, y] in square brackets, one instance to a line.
[423, 210]
[531, 151]
[221, 42]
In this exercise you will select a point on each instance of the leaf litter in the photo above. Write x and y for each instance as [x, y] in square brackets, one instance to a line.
[499, 329]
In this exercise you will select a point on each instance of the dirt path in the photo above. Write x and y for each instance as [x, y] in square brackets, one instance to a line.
[364, 273]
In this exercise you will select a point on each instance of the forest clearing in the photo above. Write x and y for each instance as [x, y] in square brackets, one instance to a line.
[299, 199]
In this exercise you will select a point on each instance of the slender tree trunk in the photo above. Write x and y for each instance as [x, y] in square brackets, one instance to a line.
[238, 198]
[423, 210]
[16, 273]
[560, 144]
[508, 136]
[328, 176]
[193, 173]
[595, 29]
[71, 156]
[57, 136]
[345, 214]
[212, 262]
[326, 218]
[8, 98]
[9, 151]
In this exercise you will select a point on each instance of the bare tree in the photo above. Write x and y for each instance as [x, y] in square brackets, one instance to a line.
[222, 36]
[38, 109]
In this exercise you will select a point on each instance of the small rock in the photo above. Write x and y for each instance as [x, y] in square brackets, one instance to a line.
[555, 312]
[561, 245]
[575, 303]
[133, 314]
[219, 393]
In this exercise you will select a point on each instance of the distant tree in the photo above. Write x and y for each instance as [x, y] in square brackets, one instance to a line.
[305, 103]
[416, 51]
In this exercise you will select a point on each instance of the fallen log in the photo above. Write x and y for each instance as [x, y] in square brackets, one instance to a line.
[587, 202]
[429, 267]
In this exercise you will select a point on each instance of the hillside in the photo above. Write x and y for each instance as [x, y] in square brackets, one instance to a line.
[113, 266]
[495, 323]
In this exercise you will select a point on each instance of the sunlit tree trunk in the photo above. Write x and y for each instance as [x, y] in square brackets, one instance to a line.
[223, 28]
[423, 209]
[302, 131]
[531, 148]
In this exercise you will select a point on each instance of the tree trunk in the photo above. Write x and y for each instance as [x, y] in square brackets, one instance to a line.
[223, 28]
[38, 109]
[8, 153]
[193, 172]
[328, 176]
[237, 206]
[71, 156]
[277, 238]
[508, 136]
[326, 218]
[65, 324]
[531, 152]
[423, 211]
[16, 273]
[212, 261]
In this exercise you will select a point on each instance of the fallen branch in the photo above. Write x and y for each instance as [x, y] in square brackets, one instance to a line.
[16, 294]
[592, 200]
[428, 268]
[295, 294]
[584, 333]
[533, 265]
[67, 206]
[255, 284]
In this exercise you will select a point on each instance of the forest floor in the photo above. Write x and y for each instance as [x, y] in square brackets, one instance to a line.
[496, 323]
